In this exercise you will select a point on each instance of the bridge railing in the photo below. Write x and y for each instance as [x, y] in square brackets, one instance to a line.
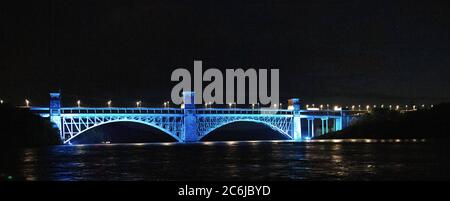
[321, 112]
[242, 111]
[212, 111]
[77, 110]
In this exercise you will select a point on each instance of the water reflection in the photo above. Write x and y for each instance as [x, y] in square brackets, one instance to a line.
[254, 160]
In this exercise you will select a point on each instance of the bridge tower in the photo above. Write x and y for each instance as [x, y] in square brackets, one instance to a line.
[294, 104]
[190, 119]
[55, 112]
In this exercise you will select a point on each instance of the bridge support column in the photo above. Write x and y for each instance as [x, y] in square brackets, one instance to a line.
[310, 127]
[190, 118]
[324, 125]
[338, 124]
[294, 104]
[55, 112]
[345, 120]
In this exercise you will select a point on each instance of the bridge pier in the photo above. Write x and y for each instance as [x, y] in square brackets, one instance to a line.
[55, 112]
[294, 104]
[190, 119]
[310, 127]
[324, 125]
[338, 124]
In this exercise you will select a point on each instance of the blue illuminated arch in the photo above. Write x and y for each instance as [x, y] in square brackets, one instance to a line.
[125, 120]
[273, 127]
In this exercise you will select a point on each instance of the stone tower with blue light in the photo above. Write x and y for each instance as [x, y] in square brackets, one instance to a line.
[294, 104]
[55, 111]
[190, 119]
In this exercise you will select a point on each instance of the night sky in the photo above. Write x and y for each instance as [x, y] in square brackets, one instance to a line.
[337, 52]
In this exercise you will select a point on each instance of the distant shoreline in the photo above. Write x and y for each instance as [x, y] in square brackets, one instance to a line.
[390, 124]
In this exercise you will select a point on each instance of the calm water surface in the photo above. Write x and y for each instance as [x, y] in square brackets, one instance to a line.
[269, 160]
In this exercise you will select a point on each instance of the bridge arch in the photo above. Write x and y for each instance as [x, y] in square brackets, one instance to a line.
[269, 125]
[123, 120]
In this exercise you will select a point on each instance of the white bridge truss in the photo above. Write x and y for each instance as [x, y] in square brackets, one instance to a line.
[209, 120]
[77, 121]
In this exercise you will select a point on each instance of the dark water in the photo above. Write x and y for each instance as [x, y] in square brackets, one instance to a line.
[273, 160]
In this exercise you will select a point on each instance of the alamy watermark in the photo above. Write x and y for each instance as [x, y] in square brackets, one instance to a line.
[257, 80]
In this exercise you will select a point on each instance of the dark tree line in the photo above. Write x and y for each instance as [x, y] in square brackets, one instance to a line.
[21, 128]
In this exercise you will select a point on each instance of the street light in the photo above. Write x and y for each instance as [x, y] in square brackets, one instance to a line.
[138, 104]
[27, 103]
[253, 106]
[1, 102]
[78, 103]
[321, 107]
[367, 107]
[281, 105]
[397, 107]
[109, 103]
[230, 104]
[353, 107]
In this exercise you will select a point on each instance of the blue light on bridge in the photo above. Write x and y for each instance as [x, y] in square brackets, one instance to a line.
[188, 124]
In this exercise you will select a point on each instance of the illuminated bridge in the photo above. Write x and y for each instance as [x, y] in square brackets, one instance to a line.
[191, 124]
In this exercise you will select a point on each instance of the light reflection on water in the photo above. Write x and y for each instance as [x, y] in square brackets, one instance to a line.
[352, 159]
